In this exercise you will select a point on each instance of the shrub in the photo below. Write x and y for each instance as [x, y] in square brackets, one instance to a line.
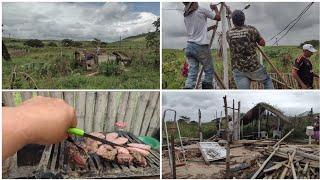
[67, 42]
[77, 44]
[52, 44]
[34, 43]
[109, 68]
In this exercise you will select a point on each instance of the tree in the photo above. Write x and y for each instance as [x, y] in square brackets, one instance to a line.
[52, 44]
[67, 42]
[96, 42]
[153, 41]
[315, 43]
[77, 44]
[34, 43]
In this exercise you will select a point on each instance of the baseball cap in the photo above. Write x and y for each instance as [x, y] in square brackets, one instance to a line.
[309, 47]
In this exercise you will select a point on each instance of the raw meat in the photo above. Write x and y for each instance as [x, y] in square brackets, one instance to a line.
[139, 160]
[111, 136]
[122, 150]
[107, 152]
[124, 159]
[120, 140]
[140, 146]
[137, 150]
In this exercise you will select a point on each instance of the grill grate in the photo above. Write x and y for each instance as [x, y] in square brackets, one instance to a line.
[54, 163]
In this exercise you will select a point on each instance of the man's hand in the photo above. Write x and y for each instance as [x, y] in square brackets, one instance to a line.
[213, 7]
[40, 120]
[48, 119]
[217, 17]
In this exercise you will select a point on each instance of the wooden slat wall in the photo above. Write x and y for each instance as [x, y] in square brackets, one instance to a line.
[99, 111]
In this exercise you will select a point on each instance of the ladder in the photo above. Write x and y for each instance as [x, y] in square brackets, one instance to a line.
[181, 148]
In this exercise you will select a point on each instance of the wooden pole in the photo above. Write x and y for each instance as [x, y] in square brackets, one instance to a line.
[264, 164]
[238, 120]
[174, 173]
[274, 67]
[224, 47]
[199, 129]
[259, 136]
[234, 131]
[228, 138]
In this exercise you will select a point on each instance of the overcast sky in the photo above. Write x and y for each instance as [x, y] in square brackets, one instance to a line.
[289, 102]
[269, 18]
[78, 21]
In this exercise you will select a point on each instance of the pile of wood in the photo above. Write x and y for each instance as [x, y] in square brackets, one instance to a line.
[290, 161]
[293, 161]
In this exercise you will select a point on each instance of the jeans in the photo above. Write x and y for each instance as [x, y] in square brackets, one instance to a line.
[198, 54]
[243, 79]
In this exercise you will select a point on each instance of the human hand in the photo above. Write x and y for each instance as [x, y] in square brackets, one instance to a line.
[217, 17]
[46, 120]
[213, 7]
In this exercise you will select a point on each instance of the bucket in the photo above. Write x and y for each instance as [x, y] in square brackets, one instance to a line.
[309, 130]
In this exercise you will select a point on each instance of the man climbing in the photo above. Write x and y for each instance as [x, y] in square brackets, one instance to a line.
[242, 40]
[198, 50]
[302, 68]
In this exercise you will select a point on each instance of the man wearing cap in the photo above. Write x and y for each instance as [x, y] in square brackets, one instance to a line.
[242, 40]
[198, 50]
[302, 68]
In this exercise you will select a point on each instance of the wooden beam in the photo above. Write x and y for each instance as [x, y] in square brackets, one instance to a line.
[224, 48]
[274, 67]
[264, 163]
[228, 138]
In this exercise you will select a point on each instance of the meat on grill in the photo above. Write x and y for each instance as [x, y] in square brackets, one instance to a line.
[111, 136]
[124, 159]
[140, 146]
[91, 145]
[114, 137]
[107, 152]
[138, 150]
[134, 154]
[120, 140]
[122, 150]
[139, 159]
[78, 157]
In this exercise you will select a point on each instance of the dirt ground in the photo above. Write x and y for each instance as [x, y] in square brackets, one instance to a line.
[196, 167]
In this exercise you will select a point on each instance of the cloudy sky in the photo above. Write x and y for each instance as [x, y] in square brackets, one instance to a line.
[269, 18]
[78, 21]
[187, 103]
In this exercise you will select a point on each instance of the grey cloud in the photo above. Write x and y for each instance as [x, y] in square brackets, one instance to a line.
[77, 21]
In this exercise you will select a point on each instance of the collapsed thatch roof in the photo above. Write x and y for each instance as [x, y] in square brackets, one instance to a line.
[256, 111]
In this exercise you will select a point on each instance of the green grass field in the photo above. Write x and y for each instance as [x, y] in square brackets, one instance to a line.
[50, 70]
[173, 60]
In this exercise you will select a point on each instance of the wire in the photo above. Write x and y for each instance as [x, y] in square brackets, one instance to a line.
[299, 17]
[296, 19]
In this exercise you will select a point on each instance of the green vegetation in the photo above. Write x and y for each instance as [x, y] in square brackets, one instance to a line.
[282, 57]
[191, 129]
[53, 66]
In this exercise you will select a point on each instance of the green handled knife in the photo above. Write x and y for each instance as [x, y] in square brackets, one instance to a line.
[81, 133]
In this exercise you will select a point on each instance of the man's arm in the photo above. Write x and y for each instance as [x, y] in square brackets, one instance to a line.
[257, 37]
[294, 73]
[210, 14]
